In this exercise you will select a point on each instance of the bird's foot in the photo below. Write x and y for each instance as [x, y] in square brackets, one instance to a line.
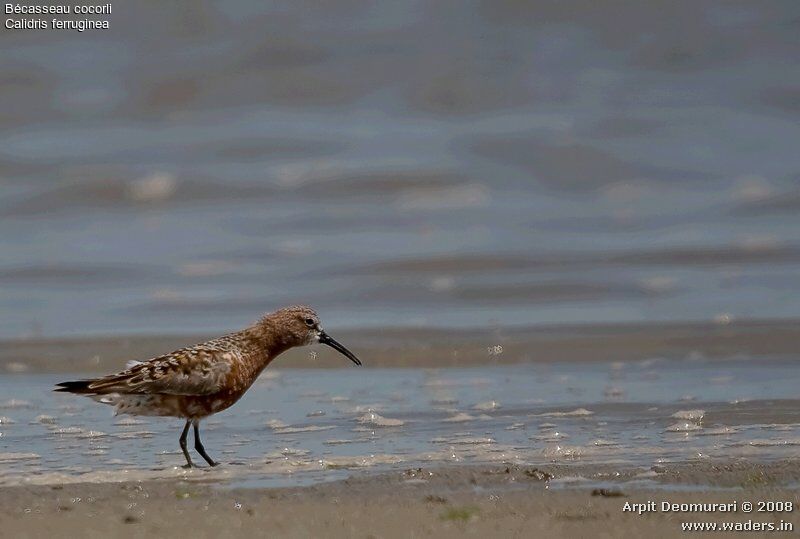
[187, 466]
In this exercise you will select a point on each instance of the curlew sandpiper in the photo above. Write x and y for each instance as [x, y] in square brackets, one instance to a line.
[195, 382]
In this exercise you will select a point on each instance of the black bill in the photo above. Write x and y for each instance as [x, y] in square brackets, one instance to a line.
[324, 338]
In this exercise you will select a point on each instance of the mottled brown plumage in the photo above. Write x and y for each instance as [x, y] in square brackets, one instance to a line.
[197, 381]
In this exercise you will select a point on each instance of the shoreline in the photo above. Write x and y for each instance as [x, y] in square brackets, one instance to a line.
[434, 348]
[490, 500]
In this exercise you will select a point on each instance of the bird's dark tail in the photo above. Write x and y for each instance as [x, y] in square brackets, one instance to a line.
[80, 387]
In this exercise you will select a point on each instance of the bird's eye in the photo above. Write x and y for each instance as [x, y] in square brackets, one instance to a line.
[310, 322]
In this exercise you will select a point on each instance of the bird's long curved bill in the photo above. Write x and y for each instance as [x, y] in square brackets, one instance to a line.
[324, 338]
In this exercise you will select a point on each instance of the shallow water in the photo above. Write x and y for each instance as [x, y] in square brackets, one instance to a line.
[302, 426]
[408, 163]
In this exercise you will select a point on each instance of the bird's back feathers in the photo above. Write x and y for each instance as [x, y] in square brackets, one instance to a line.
[198, 370]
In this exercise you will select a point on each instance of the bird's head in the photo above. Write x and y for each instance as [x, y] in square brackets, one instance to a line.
[299, 326]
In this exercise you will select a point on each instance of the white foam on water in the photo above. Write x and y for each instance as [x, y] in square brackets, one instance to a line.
[463, 441]
[9, 457]
[604, 443]
[719, 431]
[554, 436]
[563, 452]
[309, 428]
[68, 431]
[765, 442]
[683, 426]
[339, 442]
[578, 412]
[487, 406]
[459, 418]
[690, 415]
[377, 420]
[91, 434]
[126, 420]
[359, 461]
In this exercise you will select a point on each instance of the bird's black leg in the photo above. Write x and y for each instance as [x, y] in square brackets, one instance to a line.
[182, 441]
[198, 445]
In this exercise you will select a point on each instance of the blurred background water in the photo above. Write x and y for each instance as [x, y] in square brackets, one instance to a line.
[401, 163]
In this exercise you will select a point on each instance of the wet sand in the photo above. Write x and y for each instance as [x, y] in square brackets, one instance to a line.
[634, 395]
[487, 501]
[529, 467]
[438, 347]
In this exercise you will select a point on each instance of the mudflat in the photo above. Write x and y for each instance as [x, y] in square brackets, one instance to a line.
[480, 501]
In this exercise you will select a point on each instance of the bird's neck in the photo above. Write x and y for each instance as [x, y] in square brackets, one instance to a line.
[266, 344]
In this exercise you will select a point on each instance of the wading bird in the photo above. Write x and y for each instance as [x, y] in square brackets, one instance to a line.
[195, 382]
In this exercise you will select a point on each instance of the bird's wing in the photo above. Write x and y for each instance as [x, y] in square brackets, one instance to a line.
[199, 370]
